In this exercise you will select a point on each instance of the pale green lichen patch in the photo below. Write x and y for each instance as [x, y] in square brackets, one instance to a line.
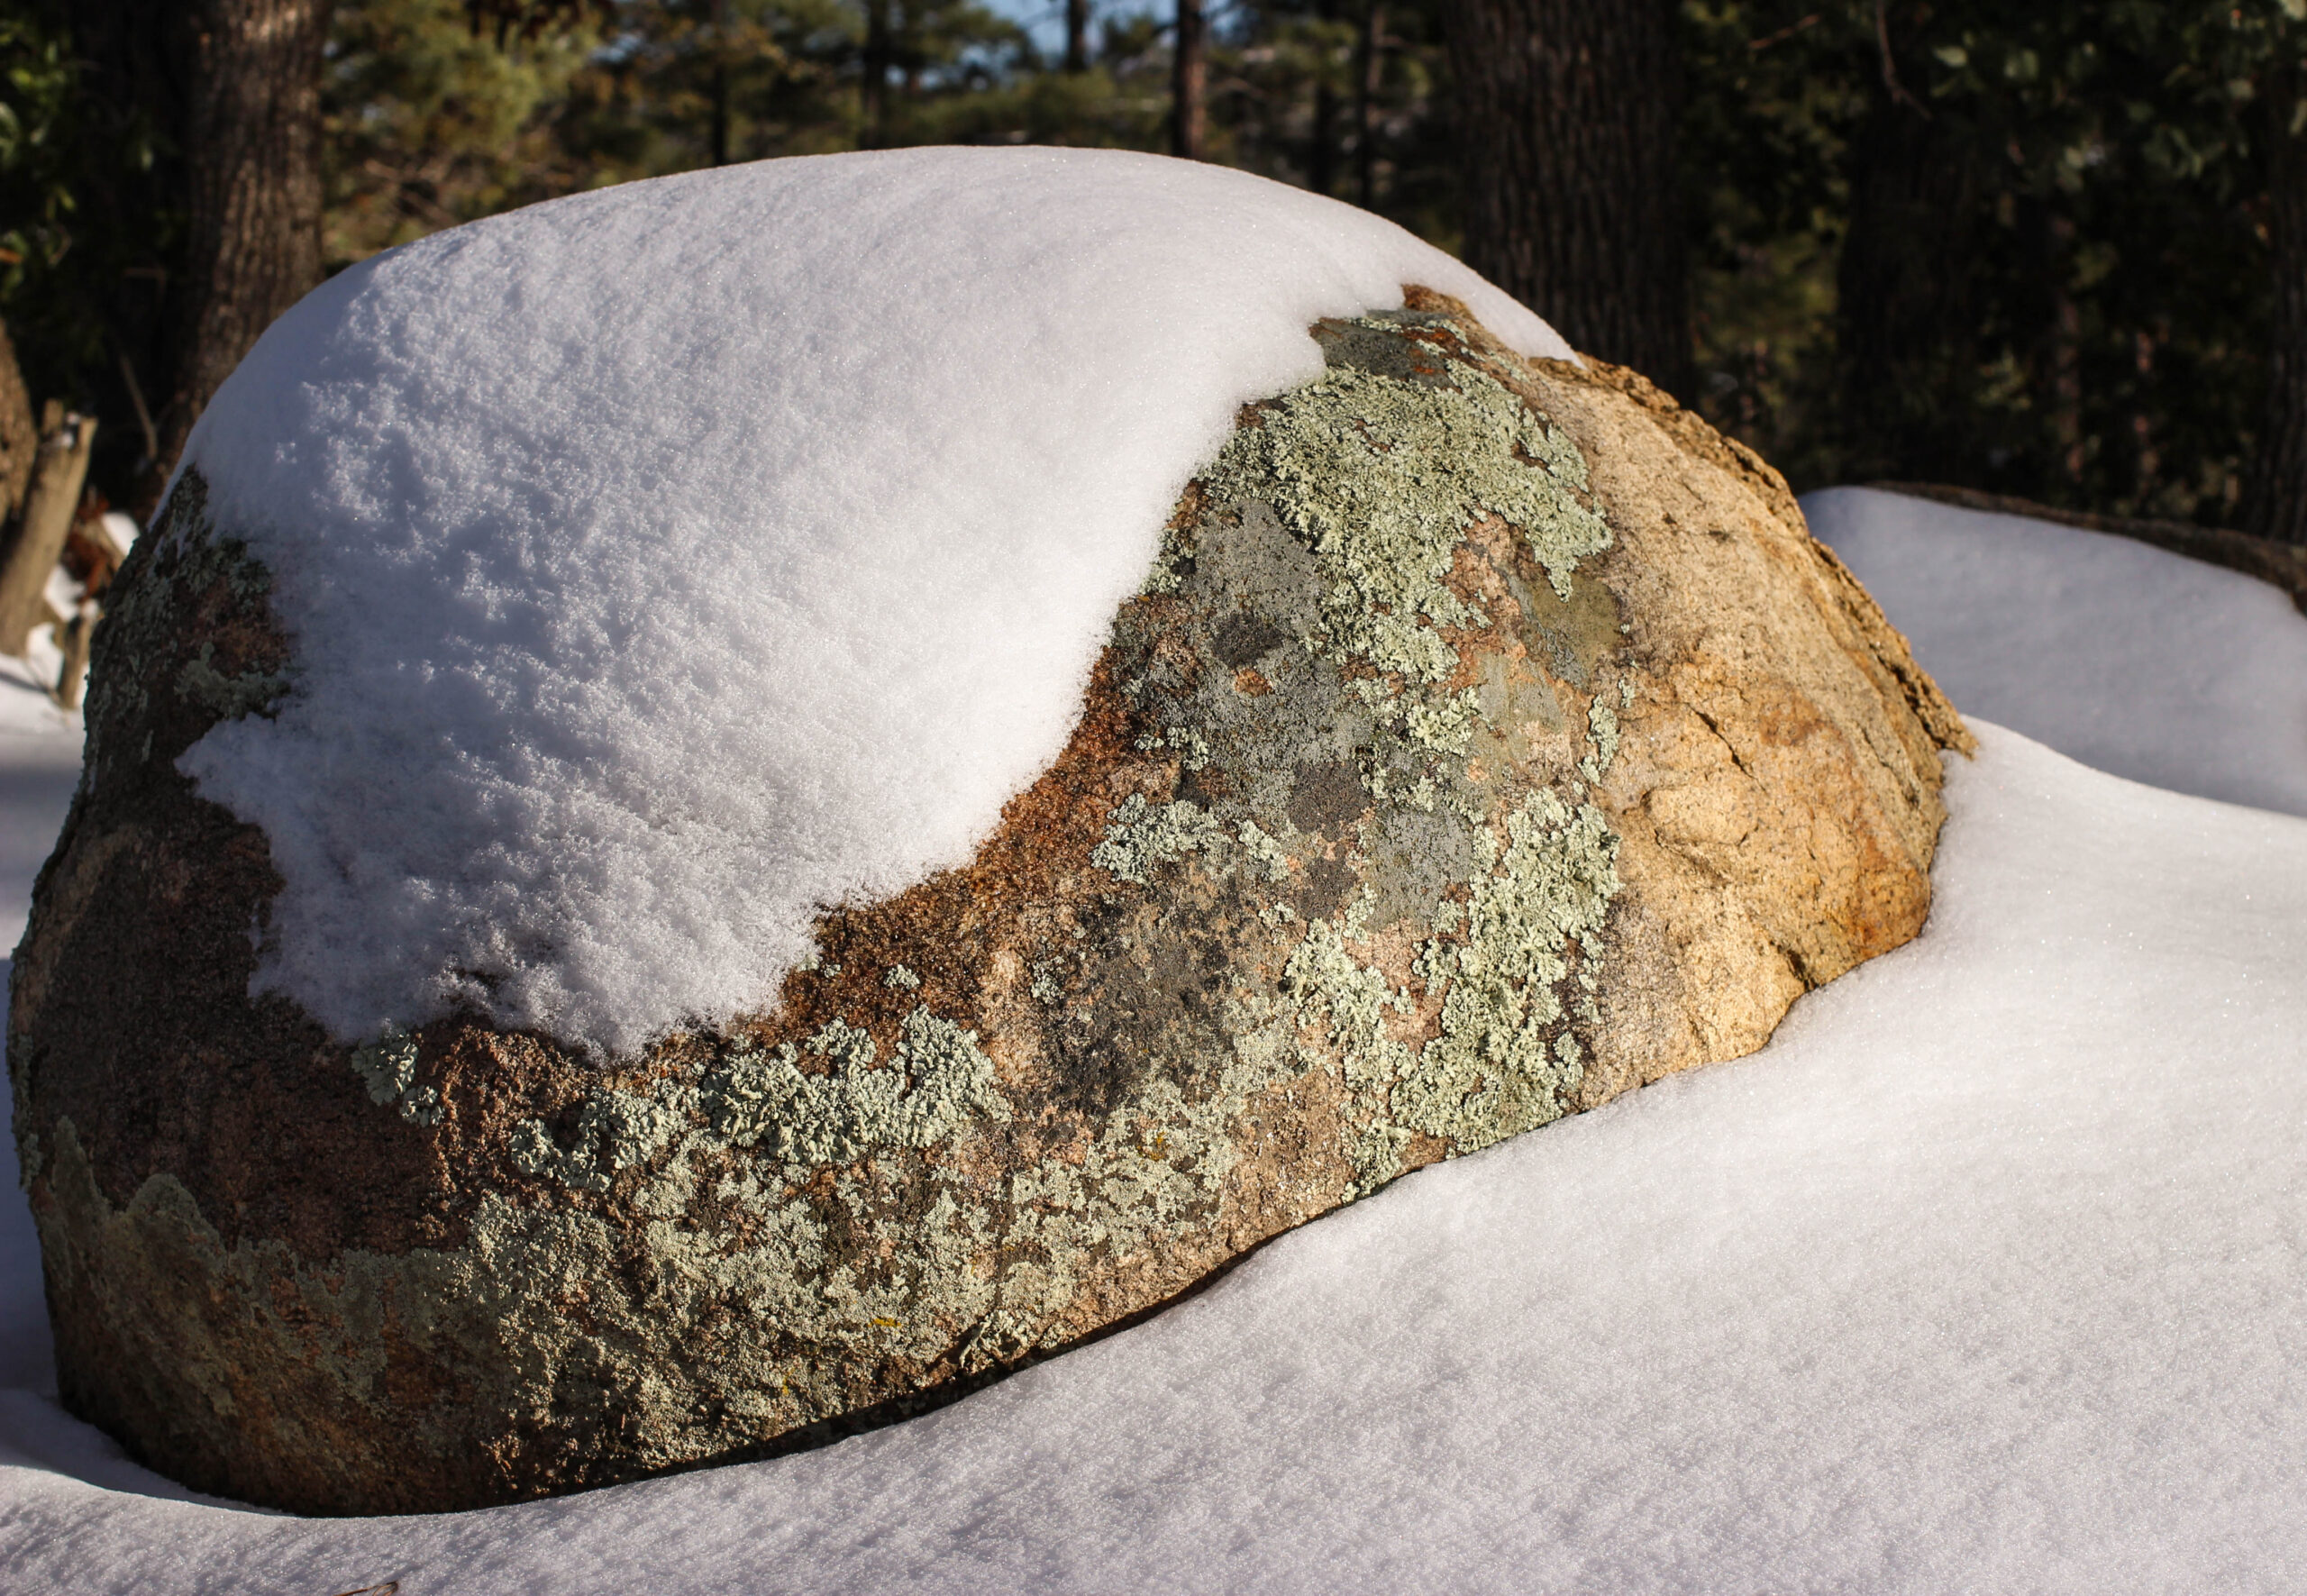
[1263, 852]
[1447, 728]
[386, 1064]
[1353, 998]
[1193, 753]
[615, 1131]
[1381, 478]
[1140, 837]
[181, 566]
[1492, 1071]
[231, 697]
[1380, 470]
[939, 1081]
[899, 978]
[843, 1047]
[1603, 731]
[1503, 1060]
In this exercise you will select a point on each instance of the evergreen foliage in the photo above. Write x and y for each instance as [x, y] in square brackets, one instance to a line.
[2024, 248]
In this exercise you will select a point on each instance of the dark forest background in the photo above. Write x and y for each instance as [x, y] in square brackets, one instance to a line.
[2052, 249]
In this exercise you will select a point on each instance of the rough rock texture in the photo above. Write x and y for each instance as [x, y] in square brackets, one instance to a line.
[1491, 739]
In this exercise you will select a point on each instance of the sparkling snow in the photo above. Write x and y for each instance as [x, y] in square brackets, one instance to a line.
[1986, 1275]
[2127, 657]
[668, 562]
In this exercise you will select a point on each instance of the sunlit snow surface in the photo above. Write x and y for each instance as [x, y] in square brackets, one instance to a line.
[669, 560]
[1988, 1273]
[2129, 657]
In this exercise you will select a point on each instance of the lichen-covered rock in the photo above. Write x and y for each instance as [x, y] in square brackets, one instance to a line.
[1491, 739]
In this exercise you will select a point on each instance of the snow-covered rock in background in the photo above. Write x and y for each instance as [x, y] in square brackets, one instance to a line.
[119, 531]
[2129, 657]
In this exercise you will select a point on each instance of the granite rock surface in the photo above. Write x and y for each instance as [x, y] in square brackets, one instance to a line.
[1491, 739]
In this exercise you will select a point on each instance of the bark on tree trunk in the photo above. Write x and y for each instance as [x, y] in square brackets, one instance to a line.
[132, 93]
[79, 632]
[251, 145]
[874, 91]
[719, 130]
[1189, 76]
[1321, 151]
[2278, 495]
[1906, 332]
[38, 536]
[1567, 114]
[1371, 64]
[1077, 35]
[19, 434]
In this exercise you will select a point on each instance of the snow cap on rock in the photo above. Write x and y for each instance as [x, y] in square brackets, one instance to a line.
[666, 562]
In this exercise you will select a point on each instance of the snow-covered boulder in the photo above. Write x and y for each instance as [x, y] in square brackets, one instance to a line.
[1475, 738]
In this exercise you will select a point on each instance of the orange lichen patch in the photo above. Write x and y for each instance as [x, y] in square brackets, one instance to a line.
[1250, 683]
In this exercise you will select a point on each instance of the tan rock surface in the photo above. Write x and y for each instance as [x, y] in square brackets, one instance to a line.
[1491, 739]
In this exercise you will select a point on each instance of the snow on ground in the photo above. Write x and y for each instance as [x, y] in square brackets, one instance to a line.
[40, 765]
[738, 542]
[1986, 1275]
[2129, 657]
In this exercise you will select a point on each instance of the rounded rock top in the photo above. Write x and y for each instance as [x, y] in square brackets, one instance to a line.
[1460, 737]
[667, 562]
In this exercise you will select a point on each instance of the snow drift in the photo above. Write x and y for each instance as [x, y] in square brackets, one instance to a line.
[2133, 660]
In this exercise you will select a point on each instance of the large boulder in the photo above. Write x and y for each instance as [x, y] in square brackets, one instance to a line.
[1491, 739]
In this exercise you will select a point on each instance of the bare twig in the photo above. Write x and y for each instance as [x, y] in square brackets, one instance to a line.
[1785, 33]
[1889, 68]
[143, 414]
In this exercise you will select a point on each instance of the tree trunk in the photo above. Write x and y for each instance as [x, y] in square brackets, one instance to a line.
[252, 147]
[1372, 65]
[71, 675]
[1077, 35]
[873, 91]
[2278, 496]
[718, 132]
[1906, 320]
[1189, 77]
[19, 434]
[1567, 115]
[31, 554]
[1321, 148]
